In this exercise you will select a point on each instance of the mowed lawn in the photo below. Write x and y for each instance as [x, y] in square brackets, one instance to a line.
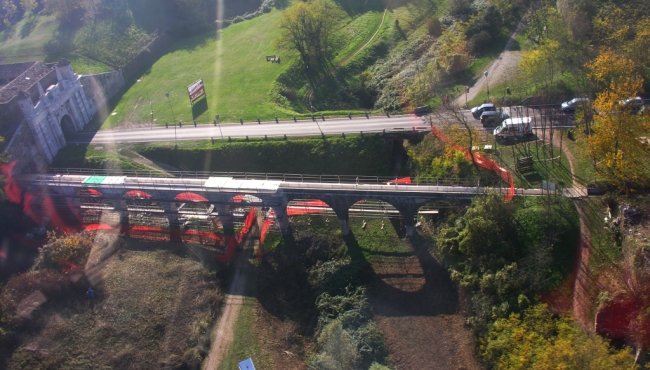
[26, 40]
[234, 70]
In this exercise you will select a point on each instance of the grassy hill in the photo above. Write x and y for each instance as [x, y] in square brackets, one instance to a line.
[234, 70]
[28, 39]
[233, 67]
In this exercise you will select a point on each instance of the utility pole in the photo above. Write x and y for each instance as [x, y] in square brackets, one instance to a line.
[487, 84]
[170, 106]
[173, 116]
[151, 106]
[216, 118]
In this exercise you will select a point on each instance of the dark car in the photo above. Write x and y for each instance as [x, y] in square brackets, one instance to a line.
[493, 118]
[571, 105]
[477, 111]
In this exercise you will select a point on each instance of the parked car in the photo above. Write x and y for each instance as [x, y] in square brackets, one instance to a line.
[493, 118]
[477, 111]
[422, 110]
[514, 128]
[633, 104]
[571, 105]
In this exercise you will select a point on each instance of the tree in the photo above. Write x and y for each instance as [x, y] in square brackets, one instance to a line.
[307, 27]
[29, 6]
[536, 340]
[541, 65]
[65, 10]
[614, 146]
[8, 11]
[434, 27]
[482, 241]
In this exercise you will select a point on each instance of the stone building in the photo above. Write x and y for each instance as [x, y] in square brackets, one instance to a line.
[42, 104]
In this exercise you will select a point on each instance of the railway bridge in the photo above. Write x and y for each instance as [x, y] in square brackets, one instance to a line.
[175, 197]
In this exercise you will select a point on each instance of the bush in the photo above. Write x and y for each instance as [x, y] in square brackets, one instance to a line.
[479, 43]
[434, 27]
[489, 20]
[352, 308]
[238, 19]
[459, 8]
[338, 351]
[337, 277]
[48, 283]
[69, 251]
[537, 340]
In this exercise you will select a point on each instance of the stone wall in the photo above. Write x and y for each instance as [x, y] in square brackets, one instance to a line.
[100, 88]
[23, 149]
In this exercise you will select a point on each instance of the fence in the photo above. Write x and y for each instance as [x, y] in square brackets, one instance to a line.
[286, 177]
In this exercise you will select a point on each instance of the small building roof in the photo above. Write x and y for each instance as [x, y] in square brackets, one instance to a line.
[24, 81]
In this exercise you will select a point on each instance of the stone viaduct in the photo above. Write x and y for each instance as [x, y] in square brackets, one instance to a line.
[219, 194]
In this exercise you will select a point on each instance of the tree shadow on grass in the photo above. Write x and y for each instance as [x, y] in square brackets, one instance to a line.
[28, 26]
[193, 43]
[437, 296]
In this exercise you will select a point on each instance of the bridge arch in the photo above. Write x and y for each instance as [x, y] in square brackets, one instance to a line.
[137, 194]
[189, 196]
[67, 126]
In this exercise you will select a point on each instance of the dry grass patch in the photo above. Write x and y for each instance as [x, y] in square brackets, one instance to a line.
[153, 307]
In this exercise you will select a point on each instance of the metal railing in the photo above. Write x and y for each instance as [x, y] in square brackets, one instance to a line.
[285, 177]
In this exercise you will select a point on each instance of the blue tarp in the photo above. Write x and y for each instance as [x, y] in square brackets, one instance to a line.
[247, 364]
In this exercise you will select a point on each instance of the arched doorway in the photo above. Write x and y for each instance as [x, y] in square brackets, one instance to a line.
[67, 126]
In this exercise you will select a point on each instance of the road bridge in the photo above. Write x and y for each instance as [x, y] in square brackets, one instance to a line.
[222, 195]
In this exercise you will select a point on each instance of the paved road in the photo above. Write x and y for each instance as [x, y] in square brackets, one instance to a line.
[335, 126]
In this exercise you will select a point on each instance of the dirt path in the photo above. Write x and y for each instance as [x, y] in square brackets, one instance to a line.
[583, 286]
[223, 331]
[501, 70]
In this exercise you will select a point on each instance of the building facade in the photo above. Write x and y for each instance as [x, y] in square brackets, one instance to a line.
[42, 105]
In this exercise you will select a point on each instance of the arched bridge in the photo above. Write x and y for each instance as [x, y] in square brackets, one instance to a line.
[223, 193]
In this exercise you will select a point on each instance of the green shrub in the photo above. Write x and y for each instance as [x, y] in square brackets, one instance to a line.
[338, 350]
[338, 276]
[434, 27]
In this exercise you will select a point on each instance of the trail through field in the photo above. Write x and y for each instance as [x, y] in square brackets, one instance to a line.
[502, 68]
[223, 332]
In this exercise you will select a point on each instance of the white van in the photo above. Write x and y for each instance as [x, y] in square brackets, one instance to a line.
[514, 128]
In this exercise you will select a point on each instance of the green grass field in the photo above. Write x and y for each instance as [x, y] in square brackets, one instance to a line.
[234, 70]
[26, 41]
[352, 155]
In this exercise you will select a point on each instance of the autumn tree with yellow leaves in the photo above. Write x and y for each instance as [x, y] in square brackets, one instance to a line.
[537, 340]
[616, 146]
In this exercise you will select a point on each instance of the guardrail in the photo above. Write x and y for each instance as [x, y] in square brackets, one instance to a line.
[286, 177]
